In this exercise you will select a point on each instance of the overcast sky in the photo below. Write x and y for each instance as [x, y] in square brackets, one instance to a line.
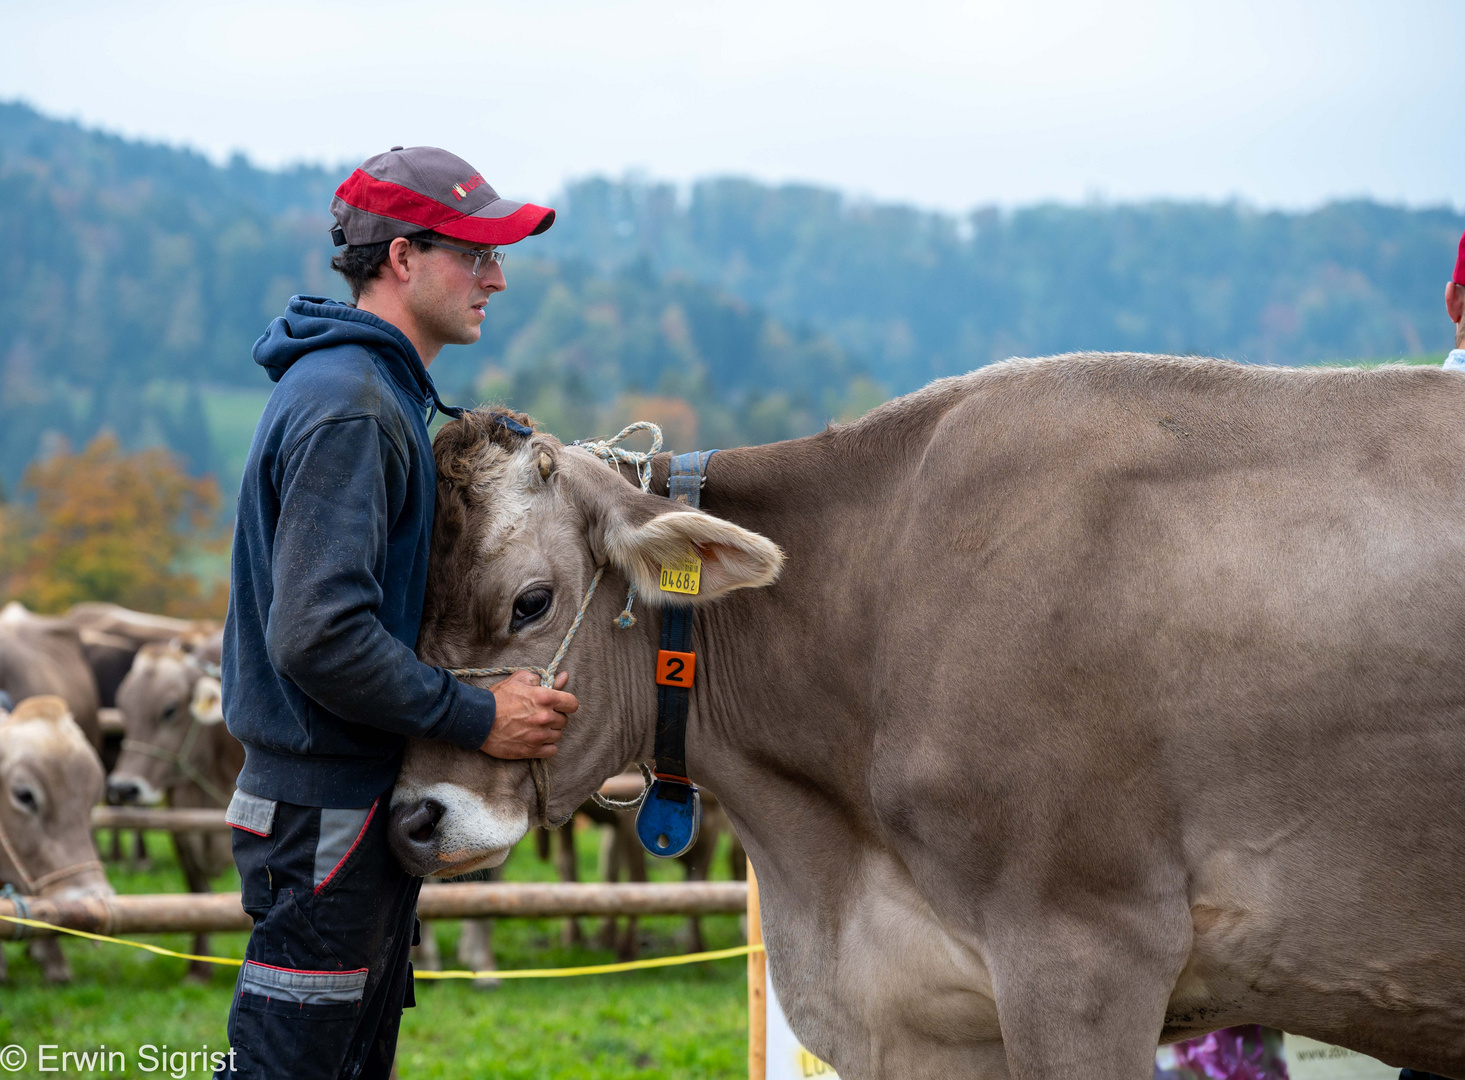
[951, 105]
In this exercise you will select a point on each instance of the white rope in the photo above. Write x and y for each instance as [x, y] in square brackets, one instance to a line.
[183, 768]
[537, 767]
[611, 452]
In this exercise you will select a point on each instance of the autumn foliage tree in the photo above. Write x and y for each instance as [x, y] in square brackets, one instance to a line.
[109, 525]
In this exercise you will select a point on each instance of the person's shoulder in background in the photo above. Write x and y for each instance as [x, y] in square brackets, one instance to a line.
[1455, 309]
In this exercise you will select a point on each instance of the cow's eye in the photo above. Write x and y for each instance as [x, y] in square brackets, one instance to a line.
[530, 606]
[171, 711]
[25, 798]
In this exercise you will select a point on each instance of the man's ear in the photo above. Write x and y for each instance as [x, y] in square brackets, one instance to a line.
[399, 259]
[1455, 301]
[207, 705]
[639, 534]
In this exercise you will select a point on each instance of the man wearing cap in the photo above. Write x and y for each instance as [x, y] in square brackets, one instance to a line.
[321, 683]
[1455, 307]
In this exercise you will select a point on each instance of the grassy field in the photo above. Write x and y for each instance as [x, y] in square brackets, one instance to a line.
[677, 1022]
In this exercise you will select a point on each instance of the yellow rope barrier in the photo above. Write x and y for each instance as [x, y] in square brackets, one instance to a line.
[39, 925]
[595, 969]
[519, 973]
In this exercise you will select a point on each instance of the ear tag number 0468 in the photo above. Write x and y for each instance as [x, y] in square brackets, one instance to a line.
[683, 576]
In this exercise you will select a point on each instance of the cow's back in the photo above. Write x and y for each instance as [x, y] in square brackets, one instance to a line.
[1219, 612]
[41, 655]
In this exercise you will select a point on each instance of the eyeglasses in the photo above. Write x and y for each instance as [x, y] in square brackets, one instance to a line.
[491, 255]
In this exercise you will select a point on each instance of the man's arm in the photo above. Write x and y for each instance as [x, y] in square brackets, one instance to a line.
[323, 633]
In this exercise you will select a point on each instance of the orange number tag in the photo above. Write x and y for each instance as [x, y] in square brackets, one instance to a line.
[675, 668]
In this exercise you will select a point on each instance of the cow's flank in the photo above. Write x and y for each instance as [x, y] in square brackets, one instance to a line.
[1099, 700]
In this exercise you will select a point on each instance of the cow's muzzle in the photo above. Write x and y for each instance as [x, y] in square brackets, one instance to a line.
[132, 791]
[447, 830]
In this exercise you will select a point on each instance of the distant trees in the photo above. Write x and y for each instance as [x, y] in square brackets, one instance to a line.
[108, 525]
[920, 294]
[598, 350]
[138, 277]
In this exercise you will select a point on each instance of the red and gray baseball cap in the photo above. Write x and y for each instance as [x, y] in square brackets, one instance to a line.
[410, 189]
[1459, 278]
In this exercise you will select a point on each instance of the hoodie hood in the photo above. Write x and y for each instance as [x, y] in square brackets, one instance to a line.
[311, 323]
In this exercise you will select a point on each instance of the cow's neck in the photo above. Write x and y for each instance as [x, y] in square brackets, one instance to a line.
[779, 716]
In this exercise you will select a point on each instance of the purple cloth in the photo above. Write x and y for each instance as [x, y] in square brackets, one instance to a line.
[1239, 1053]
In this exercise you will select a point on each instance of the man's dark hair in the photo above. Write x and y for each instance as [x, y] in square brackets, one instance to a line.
[360, 264]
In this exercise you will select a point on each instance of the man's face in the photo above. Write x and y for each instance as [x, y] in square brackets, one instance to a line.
[445, 297]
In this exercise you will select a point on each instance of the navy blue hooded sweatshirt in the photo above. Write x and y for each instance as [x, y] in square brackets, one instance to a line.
[321, 683]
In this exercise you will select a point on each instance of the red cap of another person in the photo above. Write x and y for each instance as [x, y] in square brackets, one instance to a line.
[1459, 278]
[413, 189]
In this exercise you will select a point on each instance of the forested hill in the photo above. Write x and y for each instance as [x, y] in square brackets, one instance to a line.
[137, 277]
[923, 294]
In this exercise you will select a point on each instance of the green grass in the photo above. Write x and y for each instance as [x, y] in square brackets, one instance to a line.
[232, 414]
[677, 1022]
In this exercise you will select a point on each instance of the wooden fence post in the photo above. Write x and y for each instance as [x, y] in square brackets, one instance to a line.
[757, 988]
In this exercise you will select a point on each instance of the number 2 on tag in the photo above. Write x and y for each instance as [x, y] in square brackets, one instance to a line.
[682, 577]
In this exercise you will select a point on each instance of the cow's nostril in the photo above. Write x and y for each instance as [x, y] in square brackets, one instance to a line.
[122, 792]
[422, 822]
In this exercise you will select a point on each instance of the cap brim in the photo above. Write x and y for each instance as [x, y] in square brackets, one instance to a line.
[502, 221]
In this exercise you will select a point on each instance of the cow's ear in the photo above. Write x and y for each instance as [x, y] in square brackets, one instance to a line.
[695, 550]
[640, 535]
[208, 701]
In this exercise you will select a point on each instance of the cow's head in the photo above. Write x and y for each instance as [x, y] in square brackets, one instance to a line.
[49, 780]
[164, 695]
[522, 524]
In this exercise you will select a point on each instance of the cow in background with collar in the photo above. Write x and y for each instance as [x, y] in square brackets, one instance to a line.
[50, 778]
[177, 752]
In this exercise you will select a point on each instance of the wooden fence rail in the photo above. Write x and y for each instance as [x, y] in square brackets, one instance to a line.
[210, 912]
[167, 819]
[625, 786]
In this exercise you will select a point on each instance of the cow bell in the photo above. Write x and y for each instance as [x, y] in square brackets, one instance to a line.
[669, 818]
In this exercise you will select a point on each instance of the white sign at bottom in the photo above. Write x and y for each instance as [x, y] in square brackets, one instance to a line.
[1308, 1059]
[787, 1058]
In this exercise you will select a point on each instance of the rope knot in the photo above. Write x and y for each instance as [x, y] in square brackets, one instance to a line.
[611, 451]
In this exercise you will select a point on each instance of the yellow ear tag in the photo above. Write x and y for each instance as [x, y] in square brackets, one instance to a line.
[684, 576]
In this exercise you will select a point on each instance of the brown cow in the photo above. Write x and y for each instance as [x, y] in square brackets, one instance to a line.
[110, 638]
[50, 779]
[1102, 700]
[43, 655]
[177, 751]
[140, 627]
[111, 635]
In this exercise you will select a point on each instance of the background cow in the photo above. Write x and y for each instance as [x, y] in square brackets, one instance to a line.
[110, 637]
[177, 752]
[1102, 700]
[50, 779]
[43, 655]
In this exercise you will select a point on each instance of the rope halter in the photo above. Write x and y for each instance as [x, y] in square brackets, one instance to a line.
[612, 453]
[183, 768]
